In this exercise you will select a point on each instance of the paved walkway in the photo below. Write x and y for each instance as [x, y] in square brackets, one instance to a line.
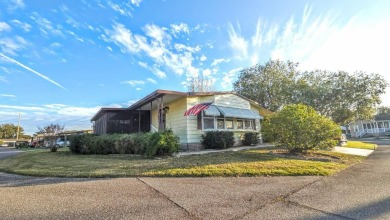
[208, 151]
[345, 150]
[354, 151]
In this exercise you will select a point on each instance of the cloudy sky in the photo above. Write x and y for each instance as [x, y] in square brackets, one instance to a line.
[60, 61]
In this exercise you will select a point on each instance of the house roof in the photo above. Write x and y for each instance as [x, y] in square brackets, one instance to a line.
[103, 110]
[174, 95]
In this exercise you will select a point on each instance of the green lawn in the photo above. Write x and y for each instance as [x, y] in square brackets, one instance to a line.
[242, 163]
[359, 144]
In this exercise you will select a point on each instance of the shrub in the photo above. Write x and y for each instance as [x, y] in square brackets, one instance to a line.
[78, 143]
[132, 143]
[53, 149]
[141, 142]
[300, 128]
[218, 139]
[162, 143]
[251, 138]
[104, 144]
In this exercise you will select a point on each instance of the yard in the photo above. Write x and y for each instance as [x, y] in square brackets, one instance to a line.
[243, 163]
[361, 145]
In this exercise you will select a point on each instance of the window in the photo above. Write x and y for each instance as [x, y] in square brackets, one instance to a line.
[248, 125]
[208, 123]
[240, 124]
[220, 123]
[229, 124]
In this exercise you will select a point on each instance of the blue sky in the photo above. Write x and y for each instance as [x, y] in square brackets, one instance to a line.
[60, 61]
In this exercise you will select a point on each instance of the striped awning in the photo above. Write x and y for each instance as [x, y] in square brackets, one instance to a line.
[212, 111]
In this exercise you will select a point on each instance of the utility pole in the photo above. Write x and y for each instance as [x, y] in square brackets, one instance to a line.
[17, 133]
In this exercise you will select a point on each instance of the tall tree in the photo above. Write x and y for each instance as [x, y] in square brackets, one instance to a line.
[342, 96]
[271, 85]
[8, 131]
[383, 113]
[200, 84]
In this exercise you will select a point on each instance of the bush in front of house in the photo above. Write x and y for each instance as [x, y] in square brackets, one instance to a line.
[79, 144]
[300, 128]
[162, 143]
[250, 138]
[218, 139]
[156, 144]
[136, 143]
[104, 144]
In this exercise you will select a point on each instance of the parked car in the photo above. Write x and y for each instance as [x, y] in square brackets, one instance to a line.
[60, 142]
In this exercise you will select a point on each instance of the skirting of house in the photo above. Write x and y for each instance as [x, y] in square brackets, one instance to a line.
[192, 147]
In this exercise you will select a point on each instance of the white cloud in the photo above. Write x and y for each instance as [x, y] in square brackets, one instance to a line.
[179, 28]
[138, 89]
[218, 61]
[228, 78]
[12, 45]
[136, 2]
[23, 25]
[143, 64]
[203, 58]
[4, 26]
[123, 9]
[7, 95]
[151, 80]
[156, 44]
[160, 74]
[134, 83]
[156, 32]
[16, 4]
[237, 43]
[123, 38]
[46, 27]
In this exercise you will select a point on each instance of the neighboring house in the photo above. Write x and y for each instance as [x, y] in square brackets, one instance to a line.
[182, 112]
[377, 128]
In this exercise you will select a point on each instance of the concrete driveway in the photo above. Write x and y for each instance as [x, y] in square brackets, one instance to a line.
[360, 192]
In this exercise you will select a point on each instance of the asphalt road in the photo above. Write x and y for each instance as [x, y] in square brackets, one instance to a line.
[7, 152]
[360, 192]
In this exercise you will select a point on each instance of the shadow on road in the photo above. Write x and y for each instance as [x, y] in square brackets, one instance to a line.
[374, 210]
[12, 180]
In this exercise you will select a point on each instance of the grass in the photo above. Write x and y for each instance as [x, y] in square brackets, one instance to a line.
[361, 145]
[243, 163]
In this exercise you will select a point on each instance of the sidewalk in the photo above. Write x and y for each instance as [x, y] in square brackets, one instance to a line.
[189, 153]
[354, 151]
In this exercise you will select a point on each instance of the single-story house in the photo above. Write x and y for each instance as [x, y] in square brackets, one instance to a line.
[188, 114]
[361, 128]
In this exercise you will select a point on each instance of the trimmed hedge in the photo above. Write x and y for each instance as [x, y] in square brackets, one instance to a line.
[156, 144]
[250, 138]
[218, 139]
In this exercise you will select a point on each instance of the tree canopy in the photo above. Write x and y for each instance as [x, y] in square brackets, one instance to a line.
[383, 113]
[8, 131]
[340, 95]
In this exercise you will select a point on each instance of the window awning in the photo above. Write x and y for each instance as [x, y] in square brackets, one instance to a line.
[212, 110]
[238, 113]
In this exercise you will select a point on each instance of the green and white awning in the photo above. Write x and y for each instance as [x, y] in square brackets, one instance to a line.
[229, 112]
